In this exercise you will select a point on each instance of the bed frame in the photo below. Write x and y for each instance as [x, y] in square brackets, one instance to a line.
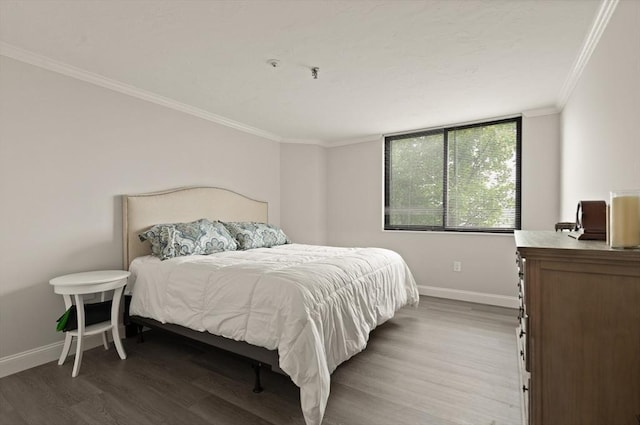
[142, 211]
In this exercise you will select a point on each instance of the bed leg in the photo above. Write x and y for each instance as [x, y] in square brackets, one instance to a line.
[140, 337]
[257, 388]
[131, 330]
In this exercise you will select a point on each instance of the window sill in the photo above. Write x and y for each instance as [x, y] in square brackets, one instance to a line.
[436, 232]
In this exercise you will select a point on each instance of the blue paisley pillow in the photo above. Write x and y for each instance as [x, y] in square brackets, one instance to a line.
[250, 235]
[201, 237]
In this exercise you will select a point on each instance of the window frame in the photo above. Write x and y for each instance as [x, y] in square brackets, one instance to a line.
[445, 136]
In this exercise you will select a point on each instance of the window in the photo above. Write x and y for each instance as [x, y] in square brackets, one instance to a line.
[464, 178]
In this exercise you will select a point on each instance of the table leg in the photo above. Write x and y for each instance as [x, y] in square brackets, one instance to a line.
[67, 337]
[80, 314]
[105, 341]
[65, 348]
[115, 307]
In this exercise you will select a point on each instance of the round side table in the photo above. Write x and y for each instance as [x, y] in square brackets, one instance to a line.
[78, 284]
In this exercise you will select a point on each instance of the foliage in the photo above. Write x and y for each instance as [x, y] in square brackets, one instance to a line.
[480, 185]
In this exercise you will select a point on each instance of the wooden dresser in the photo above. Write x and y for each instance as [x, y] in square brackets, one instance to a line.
[579, 333]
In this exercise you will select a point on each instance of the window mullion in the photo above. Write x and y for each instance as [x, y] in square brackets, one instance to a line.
[445, 177]
[518, 174]
[387, 181]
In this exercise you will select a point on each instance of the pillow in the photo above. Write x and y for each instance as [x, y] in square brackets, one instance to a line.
[200, 237]
[250, 235]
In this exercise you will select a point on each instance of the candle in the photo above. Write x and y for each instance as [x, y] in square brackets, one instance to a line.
[625, 219]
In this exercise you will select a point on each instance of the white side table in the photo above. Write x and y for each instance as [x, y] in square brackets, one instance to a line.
[79, 284]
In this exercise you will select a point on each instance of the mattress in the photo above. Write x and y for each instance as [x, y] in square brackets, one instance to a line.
[314, 304]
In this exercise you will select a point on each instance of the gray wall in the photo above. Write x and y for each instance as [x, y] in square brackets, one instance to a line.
[68, 150]
[355, 217]
[303, 183]
[600, 131]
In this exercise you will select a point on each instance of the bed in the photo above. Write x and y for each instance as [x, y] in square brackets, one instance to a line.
[301, 309]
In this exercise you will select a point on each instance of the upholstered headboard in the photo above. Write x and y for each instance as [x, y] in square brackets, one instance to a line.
[140, 212]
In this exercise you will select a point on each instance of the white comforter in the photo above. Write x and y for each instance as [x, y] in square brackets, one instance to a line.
[316, 305]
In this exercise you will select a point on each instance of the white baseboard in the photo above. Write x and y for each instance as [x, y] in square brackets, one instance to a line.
[470, 296]
[35, 357]
[48, 353]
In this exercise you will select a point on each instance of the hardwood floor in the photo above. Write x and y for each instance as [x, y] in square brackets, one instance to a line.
[443, 363]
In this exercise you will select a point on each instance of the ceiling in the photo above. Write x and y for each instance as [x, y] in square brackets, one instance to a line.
[385, 66]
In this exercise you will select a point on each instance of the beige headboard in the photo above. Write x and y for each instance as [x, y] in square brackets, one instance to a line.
[140, 212]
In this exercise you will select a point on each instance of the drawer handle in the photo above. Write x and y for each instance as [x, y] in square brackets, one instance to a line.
[522, 354]
[524, 388]
[522, 333]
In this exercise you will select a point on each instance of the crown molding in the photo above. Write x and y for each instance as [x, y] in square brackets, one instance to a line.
[590, 42]
[354, 141]
[333, 144]
[540, 112]
[47, 63]
[304, 142]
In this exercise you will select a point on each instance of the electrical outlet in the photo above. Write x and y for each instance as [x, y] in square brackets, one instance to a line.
[457, 266]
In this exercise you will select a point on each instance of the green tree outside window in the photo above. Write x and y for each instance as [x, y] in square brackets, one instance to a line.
[463, 178]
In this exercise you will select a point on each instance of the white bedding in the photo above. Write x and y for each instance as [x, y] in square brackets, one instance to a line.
[316, 305]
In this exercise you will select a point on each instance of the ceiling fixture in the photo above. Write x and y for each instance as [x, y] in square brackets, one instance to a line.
[275, 63]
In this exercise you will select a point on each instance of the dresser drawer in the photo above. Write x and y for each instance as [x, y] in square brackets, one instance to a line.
[524, 375]
[521, 285]
[522, 334]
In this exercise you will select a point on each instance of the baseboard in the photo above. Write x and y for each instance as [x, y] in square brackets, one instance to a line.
[470, 296]
[35, 357]
[45, 354]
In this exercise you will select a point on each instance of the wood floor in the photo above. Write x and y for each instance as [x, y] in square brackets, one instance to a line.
[443, 363]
